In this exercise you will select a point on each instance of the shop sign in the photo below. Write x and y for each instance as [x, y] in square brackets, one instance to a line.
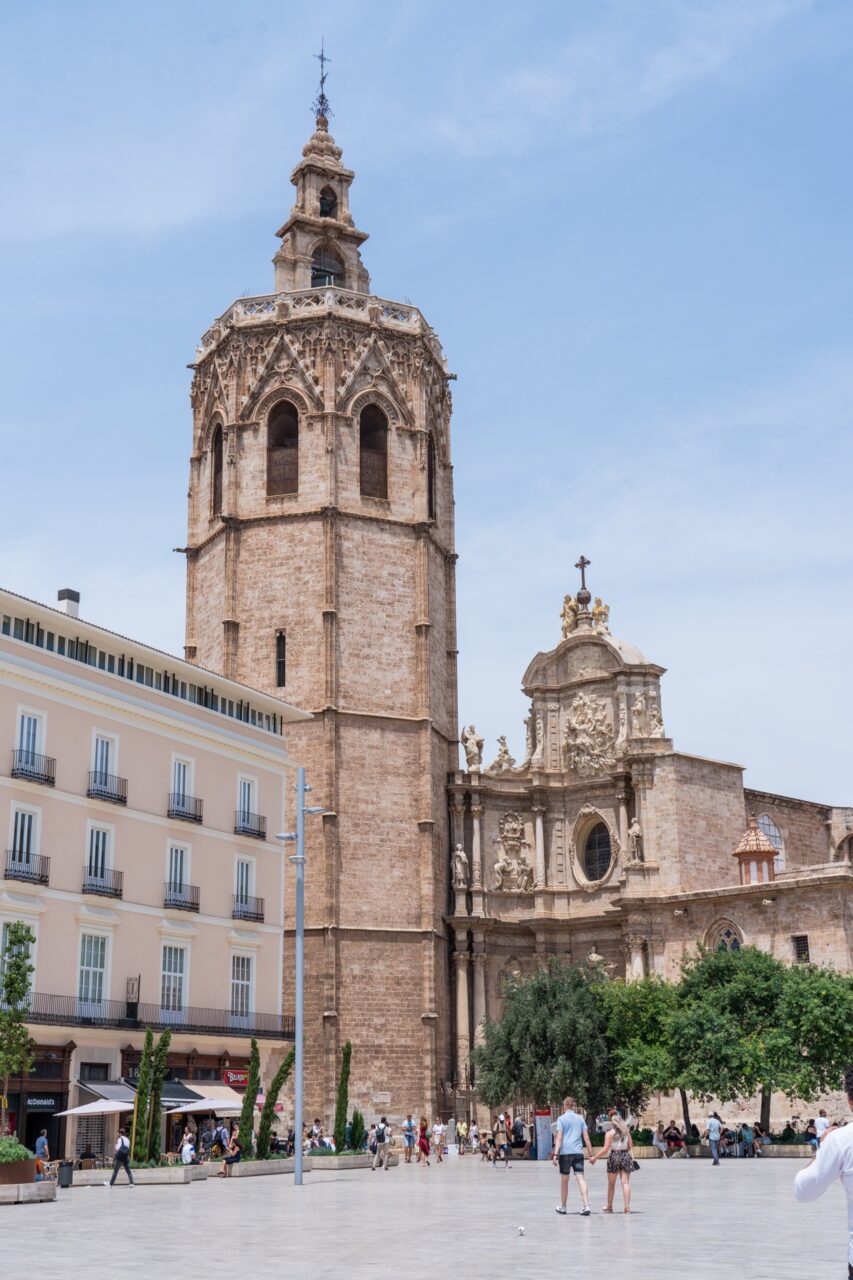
[238, 1078]
[41, 1102]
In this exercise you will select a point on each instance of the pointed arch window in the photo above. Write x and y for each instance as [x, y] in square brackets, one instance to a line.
[216, 473]
[431, 506]
[328, 203]
[373, 452]
[774, 835]
[283, 449]
[326, 269]
[728, 939]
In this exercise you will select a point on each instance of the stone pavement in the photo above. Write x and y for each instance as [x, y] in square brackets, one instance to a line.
[739, 1221]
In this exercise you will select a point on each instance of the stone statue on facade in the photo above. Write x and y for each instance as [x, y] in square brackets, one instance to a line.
[601, 617]
[460, 868]
[503, 761]
[638, 717]
[569, 615]
[529, 741]
[635, 842]
[473, 745]
[655, 723]
[538, 759]
[524, 874]
[589, 736]
[513, 871]
[502, 868]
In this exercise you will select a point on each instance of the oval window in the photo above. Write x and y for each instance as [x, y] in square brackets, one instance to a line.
[597, 853]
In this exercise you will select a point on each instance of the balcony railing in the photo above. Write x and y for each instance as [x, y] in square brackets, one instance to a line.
[35, 768]
[68, 1011]
[28, 867]
[187, 808]
[106, 883]
[105, 786]
[250, 824]
[183, 896]
[247, 908]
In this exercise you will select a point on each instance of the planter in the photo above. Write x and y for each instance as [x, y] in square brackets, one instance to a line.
[177, 1175]
[258, 1168]
[787, 1150]
[27, 1192]
[343, 1162]
[21, 1171]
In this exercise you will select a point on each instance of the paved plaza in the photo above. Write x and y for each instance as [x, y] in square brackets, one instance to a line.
[691, 1220]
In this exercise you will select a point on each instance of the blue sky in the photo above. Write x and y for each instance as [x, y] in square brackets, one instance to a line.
[630, 225]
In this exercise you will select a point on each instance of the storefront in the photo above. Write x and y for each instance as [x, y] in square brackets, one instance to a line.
[34, 1099]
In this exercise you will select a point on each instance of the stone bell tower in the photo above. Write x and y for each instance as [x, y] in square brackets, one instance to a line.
[321, 566]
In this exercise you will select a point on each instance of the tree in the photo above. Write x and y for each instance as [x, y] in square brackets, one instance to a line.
[816, 1012]
[357, 1130]
[139, 1140]
[639, 1015]
[268, 1112]
[159, 1069]
[343, 1099]
[550, 1041]
[16, 1046]
[247, 1115]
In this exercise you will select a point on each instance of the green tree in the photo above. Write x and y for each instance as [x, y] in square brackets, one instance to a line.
[247, 1115]
[639, 1016]
[816, 1012]
[139, 1139]
[342, 1103]
[16, 1047]
[550, 1041]
[268, 1112]
[357, 1130]
[159, 1069]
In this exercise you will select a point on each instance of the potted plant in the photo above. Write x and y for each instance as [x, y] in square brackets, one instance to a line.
[17, 1164]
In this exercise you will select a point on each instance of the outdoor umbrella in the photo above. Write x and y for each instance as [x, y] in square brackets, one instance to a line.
[100, 1107]
[207, 1104]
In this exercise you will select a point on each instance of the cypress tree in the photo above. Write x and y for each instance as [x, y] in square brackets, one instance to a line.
[276, 1086]
[342, 1103]
[143, 1091]
[252, 1088]
[158, 1076]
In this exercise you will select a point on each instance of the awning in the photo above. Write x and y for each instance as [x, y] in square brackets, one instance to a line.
[109, 1090]
[175, 1092]
[207, 1104]
[100, 1107]
[222, 1093]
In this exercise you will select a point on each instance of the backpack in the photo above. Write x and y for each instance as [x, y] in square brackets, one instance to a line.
[381, 1132]
[123, 1146]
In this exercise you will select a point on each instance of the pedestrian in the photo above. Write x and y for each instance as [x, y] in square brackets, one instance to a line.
[501, 1142]
[520, 1138]
[620, 1161]
[571, 1136]
[474, 1135]
[461, 1136]
[371, 1140]
[42, 1148]
[833, 1162]
[423, 1142]
[438, 1130]
[234, 1156]
[383, 1133]
[811, 1135]
[121, 1158]
[746, 1138]
[821, 1124]
[713, 1130]
[409, 1137]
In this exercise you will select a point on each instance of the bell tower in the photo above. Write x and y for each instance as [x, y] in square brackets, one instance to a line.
[321, 567]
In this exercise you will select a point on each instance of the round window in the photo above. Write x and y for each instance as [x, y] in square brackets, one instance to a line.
[597, 853]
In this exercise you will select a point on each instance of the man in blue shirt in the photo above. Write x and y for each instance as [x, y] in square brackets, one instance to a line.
[571, 1136]
[42, 1150]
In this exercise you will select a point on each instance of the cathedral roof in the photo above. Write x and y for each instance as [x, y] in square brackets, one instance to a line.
[754, 841]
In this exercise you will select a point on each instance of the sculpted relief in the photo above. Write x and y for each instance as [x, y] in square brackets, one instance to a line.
[589, 735]
[513, 870]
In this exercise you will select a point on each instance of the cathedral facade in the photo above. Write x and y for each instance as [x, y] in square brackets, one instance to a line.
[321, 569]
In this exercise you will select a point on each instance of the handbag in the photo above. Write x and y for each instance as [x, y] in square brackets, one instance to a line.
[634, 1166]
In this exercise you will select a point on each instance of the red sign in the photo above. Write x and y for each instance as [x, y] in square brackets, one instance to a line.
[240, 1078]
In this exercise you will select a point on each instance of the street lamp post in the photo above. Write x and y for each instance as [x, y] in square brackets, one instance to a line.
[298, 859]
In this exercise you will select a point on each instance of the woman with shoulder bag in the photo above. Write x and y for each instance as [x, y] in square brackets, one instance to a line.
[618, 1148]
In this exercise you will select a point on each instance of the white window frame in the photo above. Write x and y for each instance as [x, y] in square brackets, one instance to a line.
[93, 824]
[113, 740]
[35, 812]
[240, 1019]
[40, 716]
[253, 786]
[176, 944]
[179, 758]
[88, 932]
[251, 863]
[188, 853]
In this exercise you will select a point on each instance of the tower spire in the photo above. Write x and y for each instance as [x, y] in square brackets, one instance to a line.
[320, 105]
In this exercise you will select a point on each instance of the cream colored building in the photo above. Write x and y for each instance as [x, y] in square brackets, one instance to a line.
[140, 797]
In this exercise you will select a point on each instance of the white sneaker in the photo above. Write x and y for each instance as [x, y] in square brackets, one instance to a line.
[108, 1184]
[585, 1211]
[561, 1208]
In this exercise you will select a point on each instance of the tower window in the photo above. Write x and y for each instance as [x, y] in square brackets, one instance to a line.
[280, 659]
[597, 853]
[283, 449]
[774, 835]
[430, 478]
[216, 479]
[801, 948]
[373, 452]
[328, 203]
[326, 269]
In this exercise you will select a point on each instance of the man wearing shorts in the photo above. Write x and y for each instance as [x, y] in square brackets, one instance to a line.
[409, 1135]
[570, 1138]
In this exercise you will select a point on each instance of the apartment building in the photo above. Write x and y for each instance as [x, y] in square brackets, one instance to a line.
[141, 797]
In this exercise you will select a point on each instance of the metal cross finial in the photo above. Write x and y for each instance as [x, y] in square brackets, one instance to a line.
[321, 102]
[583, 564]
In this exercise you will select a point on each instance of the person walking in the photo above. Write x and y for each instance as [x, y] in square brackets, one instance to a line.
[461, 1136]
[121, 1158]
[42, 1148]
[571, 1136]
[383, 1133]
[409, 1137]
[712, 1132]
[474, 1134]
[423, 1143]
[833, 1162]
[438, 1131]
[620, 1161]
[821, 1124]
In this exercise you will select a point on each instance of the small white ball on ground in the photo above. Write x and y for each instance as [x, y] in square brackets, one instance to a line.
[521, 1231]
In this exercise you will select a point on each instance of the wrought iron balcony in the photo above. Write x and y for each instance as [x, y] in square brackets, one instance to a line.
[247, 908]
[106, 883]
[187, 808]
[106, 786]
[250, 824]
[26, 866]
[69, 1011]
[34, 768]
[183, 896]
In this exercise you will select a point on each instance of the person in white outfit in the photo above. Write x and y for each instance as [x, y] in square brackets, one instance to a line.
[832, 1163]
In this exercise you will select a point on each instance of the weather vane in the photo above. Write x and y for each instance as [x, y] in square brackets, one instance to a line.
[321, 102]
